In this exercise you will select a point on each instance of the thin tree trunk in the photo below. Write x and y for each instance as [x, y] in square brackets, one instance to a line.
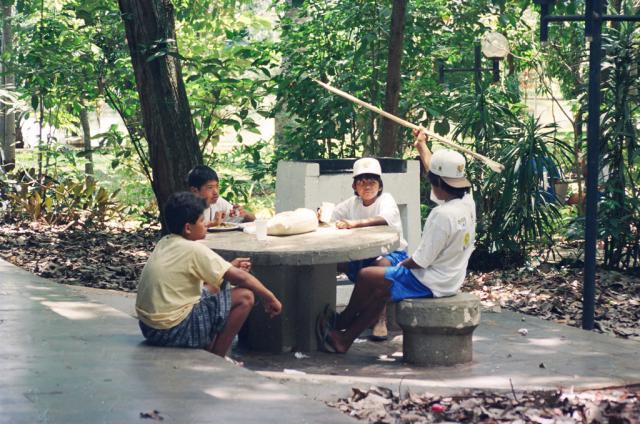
[40, 125]
[282, 118]
[86, 138]
[577, 131]
[8, 118]
[389, 136]
[169, 130]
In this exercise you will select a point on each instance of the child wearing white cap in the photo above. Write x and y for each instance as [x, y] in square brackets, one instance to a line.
[370, 207]
[436, 269]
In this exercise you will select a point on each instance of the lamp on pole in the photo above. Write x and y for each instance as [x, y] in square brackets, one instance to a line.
[593, 19]
[494, 46]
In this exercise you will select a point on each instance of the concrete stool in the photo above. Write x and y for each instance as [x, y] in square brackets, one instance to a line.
[438, 331]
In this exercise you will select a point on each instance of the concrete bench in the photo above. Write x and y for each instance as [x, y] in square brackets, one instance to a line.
[438, 331]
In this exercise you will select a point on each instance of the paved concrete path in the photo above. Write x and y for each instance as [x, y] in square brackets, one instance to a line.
[550, 356]
[66, 359]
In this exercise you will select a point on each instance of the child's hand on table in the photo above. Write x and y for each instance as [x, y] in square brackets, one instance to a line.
[345, 224]
[239, 211]
[242, 263]
[217, 219]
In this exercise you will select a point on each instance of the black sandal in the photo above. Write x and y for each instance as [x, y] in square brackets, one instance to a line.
[322, 334]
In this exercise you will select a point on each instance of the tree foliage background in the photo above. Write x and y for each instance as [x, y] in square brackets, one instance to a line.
[235, 57]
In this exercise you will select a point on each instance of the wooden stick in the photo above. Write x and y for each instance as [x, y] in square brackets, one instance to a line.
[495, 166]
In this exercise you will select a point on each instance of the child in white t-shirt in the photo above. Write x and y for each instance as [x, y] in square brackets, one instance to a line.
[204, 182]
[370, 207]
[436, 269]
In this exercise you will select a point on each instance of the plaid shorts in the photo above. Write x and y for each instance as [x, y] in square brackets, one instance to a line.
[206, 319]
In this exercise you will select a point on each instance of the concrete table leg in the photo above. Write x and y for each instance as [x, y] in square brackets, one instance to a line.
[303, 291]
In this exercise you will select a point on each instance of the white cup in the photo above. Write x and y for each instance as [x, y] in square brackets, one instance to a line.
[326, 211]
[261, 229]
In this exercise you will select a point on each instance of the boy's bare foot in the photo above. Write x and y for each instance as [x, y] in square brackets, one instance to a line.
[336, 339]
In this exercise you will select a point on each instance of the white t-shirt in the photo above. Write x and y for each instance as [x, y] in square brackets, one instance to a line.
[384, 206]
[221, 205]
[447, 241]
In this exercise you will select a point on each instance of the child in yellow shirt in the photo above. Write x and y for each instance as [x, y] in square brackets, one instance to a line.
[174, 307]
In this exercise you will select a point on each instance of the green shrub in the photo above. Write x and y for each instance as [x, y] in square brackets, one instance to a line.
[67, 199]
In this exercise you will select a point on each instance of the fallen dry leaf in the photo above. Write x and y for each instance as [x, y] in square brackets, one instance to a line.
[154, 415]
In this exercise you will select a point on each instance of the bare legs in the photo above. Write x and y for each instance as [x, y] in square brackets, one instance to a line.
[242, 301]
[358, 296]
[369, 298]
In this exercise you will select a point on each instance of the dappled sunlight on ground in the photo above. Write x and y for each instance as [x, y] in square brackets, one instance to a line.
[252, 393]
[204, 368]
[548, 342]
[82, 310]
[41, 288]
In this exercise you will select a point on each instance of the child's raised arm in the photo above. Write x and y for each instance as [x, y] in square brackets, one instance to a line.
[420, 144]
[240, 278]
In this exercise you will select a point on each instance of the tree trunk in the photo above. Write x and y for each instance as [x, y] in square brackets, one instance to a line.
[169, 130]
[8, 82]
[389, 136]
[86, 138]
[282, 118]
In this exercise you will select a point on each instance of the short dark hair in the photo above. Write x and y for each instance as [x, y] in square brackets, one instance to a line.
[200, 175]
[182, 208]
[456, 192]
[369, 177]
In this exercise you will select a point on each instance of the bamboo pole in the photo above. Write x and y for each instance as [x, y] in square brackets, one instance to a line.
[495, 166]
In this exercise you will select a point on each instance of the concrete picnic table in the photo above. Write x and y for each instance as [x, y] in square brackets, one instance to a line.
[301, 271]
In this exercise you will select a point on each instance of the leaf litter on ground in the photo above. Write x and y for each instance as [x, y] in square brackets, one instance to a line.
[111, 257]
[381, 405]
[555, 294]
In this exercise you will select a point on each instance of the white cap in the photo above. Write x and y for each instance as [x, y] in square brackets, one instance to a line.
[449, 166]
[366, 166]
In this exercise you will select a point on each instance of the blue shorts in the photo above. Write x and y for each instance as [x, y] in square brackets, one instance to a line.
[355, 266]
[206, 319]
[405, 285]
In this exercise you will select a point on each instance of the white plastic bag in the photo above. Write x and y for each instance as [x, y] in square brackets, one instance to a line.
[292, 222]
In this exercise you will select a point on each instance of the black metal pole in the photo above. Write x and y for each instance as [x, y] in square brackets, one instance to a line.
[594, 26]
[440, 66]
[594, 17]
[496, 70]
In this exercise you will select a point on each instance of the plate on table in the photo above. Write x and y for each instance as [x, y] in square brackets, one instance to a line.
[225, 226]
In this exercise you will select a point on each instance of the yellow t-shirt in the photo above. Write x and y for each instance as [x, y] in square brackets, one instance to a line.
[171, 280]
